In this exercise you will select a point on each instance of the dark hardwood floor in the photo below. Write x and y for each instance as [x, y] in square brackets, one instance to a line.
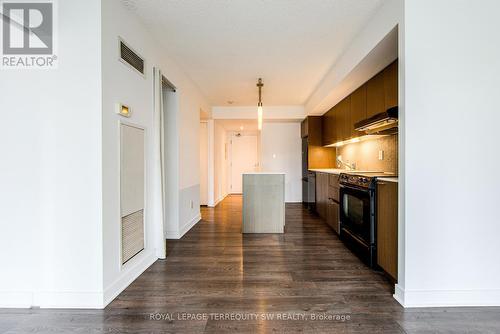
[214, 272]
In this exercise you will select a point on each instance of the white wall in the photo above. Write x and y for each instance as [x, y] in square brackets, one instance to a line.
[122, 84]
[281, 151]
[51, 242]
[452, 77]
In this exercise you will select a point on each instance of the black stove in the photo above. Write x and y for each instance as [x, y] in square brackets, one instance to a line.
[358, 215]
[362, 180]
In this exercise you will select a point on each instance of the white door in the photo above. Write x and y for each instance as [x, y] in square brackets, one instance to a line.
[244, 158]
[203, 163]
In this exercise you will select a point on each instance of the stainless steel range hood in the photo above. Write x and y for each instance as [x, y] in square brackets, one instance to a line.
[383, 123]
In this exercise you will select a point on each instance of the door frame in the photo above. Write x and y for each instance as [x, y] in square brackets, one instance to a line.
[209, 162]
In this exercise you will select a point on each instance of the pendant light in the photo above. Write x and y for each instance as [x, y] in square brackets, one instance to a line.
[259, 106]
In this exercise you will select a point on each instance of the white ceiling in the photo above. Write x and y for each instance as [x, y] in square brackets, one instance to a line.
[225, 45]
[247, 125]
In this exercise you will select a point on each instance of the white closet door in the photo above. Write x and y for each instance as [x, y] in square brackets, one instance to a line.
[244, 159]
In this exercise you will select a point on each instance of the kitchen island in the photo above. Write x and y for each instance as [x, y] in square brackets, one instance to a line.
[263, 202]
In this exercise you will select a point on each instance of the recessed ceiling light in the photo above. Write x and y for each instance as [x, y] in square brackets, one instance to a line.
[241, 128]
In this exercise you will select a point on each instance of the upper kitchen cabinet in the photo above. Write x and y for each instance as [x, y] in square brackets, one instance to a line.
[358, 109]
[391, 85]
[344, 119]
[382, 91]
[304, 128]
[330, 133]
[375, 95]
[337, 122]
[313, 129]
[317, 155]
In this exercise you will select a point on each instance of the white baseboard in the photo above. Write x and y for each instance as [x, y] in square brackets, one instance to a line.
[18, 299]
[399, 294]
[184, 229]
[77, 299]
[446, 298]
[127, 276]
[219, 200]
[52, 299]
[189, 225]
[171, 234]
[68, 299]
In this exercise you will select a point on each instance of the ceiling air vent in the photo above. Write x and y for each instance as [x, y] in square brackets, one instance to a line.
[131, 58]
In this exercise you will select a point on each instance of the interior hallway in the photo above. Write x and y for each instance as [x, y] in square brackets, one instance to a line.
[216, 269]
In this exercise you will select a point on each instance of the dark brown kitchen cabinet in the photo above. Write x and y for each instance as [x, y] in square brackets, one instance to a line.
[304, 128]
[358, 109]
[321, 194]
[343, 119]
[390, 74]
[332, 215]
[333, 205]
[375, 95]
[336, 122]
[387, 227]
[317, 155]
[329, 126]
[327, 199]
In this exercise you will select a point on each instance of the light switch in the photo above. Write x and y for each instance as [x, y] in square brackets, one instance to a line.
[381, 155]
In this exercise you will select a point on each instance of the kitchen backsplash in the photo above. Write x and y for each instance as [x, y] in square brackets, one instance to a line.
[366, 154]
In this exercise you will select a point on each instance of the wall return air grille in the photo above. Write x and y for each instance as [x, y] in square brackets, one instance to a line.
[130, 57]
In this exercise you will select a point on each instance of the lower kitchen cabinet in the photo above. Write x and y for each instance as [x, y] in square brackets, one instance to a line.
[327, 199]
[332, 214]
[387, 227]
[321, 194]
[333, 205]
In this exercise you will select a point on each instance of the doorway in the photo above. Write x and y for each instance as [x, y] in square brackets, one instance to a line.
[244, 158]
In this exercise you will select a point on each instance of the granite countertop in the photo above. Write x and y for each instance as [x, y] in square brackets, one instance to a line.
[388, 179]
[336, 171]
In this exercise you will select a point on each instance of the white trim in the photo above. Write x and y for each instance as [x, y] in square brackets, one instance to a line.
[186, 227]
[130, 272]
[122, 122]
[16, 299]
[158, 174]
[172, 234]
[399, 294]
[219, 200]
[446, 298]
[211, 163]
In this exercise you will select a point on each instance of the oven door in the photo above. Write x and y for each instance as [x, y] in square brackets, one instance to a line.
[355, 213]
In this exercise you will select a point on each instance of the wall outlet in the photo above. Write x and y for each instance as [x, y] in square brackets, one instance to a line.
[381, 155]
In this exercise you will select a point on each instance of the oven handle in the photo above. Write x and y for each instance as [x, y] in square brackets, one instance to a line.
[342, 186]
[333, 200]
